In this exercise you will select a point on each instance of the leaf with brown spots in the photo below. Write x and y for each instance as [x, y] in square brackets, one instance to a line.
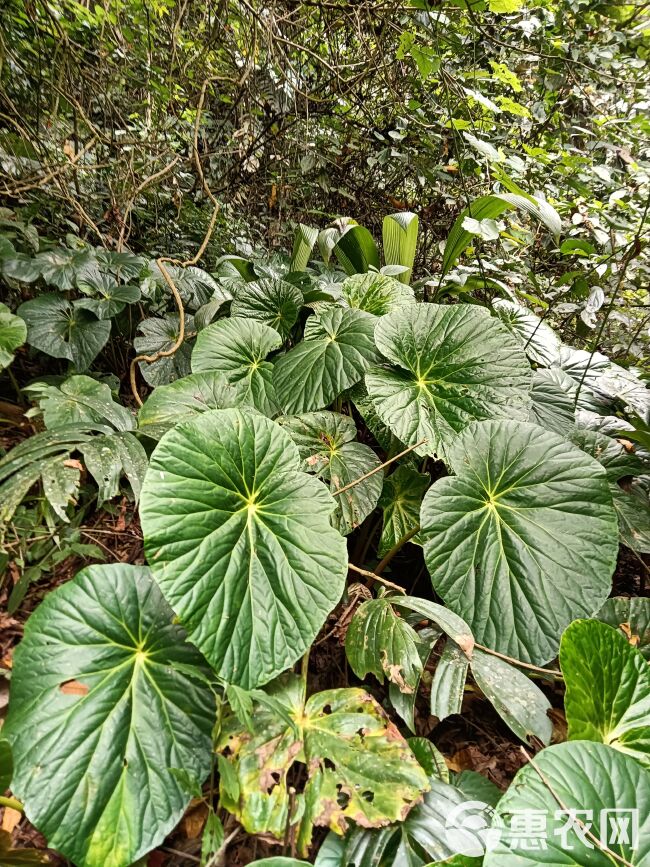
[357, 765]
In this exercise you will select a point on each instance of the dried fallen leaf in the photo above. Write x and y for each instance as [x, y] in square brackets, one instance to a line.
[73, 687]
[10, 819]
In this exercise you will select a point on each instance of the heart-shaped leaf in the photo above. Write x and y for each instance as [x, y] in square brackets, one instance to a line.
[237, 348]
[607, 688]
[576, 789]
[275, 303]
[168, 405]
[58, 328]
[358, 765]
[240, 542]
[13, 333]
[326, 442]
[106, 697]
[160, 335]
[453, 365]
[337, 350]
[523, 539]
[110, 297]
[376, 293]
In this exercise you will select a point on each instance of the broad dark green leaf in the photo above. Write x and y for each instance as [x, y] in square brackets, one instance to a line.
[632, 617]
[58, 328]
[553, 395]
[168, 405]
[109, 297]
[237, 348]
[518, 701]
[380, 642]
[538, 340]
[357, 251]
[161, 335]
[83, 400]
[239, 540]
[401, 500]
[13, 333]
[448, 685]
[607, 688]
[453, 365]
[336, 351]
[358, 766]
[523, 539]
[275, 303]
[327, 446]
[581, 776]
[376, 293]
[106, 697]
[22, 267]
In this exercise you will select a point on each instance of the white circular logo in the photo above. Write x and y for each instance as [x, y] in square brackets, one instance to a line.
[473, 828]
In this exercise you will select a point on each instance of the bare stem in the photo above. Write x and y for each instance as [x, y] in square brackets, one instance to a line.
[377, 469]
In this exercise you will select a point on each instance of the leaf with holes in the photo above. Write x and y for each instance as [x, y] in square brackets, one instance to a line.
[275, 303]
[359, 768]
[106, 696]
[169, 405]
[452, 365]
[538, 340]
[401, 500]
[326, 442]
[239, 540]
[376, 293]
[337, 350]
[380, 642]
[63, 330]
[586, 778]
[237, 348]
[523, 539]
[607, 689]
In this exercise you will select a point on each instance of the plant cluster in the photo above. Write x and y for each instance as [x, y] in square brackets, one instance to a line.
[317, 403]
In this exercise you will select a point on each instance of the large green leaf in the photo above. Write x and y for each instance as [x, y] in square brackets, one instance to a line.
[490, 207]
[400, 239]
[326, 442]
[13, 333]
[632, 617]
[538, 340]
[58, 328]
[357, 251]
[520, 703]
[376, 293]
[108, 457]
[607, 688]
[401, 500]
[358, 766]
[337, 350]
[523, 539]
[453, 365]
[106, 698]
[607, 791]
[109, 298]
[160, 335]
[168, 405]
[237, 348]
[83, 400]
[380, 642]
[553, 395]
[239, 540]
[275, 303]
